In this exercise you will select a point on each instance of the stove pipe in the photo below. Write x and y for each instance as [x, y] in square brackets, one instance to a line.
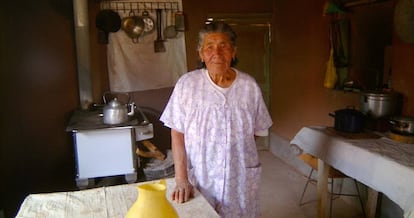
[80, 10]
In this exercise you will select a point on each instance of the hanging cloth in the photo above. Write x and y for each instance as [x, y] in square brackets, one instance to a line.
[136, 67]
[340, 36]
[330, 74]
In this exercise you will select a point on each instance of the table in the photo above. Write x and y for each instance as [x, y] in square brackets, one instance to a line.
[111, 201]
[382, 164]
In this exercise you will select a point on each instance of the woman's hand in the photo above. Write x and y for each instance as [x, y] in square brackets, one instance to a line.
[183, 191]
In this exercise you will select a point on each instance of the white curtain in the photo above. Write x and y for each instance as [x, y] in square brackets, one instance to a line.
[136, 66]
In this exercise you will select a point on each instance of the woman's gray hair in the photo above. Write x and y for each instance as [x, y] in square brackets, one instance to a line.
[216, 27]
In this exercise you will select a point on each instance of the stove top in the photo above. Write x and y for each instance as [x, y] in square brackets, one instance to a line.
[89, 120]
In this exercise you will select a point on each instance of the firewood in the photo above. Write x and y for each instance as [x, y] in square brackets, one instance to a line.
[153, 151]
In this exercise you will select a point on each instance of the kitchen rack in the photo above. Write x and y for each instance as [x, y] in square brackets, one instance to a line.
[125, 6]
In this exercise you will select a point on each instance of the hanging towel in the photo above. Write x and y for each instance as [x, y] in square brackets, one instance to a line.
[330, 75]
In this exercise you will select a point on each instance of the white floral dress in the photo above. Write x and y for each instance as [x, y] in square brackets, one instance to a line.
[219, 127]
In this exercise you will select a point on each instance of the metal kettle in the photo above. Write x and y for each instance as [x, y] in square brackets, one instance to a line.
[116, 113]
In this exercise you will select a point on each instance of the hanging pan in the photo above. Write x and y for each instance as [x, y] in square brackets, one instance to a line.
[107, 21]
[133, 26]
[149, 23]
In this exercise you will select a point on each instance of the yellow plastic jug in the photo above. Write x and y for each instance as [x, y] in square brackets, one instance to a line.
[152, 202]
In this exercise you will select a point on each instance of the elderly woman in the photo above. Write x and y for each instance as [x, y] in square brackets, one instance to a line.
[214, 114]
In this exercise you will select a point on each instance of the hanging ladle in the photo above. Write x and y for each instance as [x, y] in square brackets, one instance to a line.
[169, 31]
[159, 42]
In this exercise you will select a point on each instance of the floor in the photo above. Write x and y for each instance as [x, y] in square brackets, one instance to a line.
[281, 188]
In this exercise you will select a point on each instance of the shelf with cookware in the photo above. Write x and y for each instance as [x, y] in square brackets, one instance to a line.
[145, 43]
[139, 19]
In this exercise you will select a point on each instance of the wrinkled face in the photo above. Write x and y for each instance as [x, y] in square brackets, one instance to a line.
[216, 51]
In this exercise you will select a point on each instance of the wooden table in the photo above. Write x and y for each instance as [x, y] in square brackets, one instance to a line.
[111, 201]
[382, 164]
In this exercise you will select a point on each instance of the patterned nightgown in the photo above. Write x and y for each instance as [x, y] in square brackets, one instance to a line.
[219, 127]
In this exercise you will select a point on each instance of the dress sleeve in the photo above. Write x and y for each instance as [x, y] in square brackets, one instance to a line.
[263, 119]
[174, 113]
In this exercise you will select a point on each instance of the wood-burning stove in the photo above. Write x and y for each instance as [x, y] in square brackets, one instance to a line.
[103, 150]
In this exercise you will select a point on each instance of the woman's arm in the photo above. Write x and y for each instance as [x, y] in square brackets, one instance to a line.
[183, 190]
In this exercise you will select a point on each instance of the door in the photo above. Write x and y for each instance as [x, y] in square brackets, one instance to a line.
[253, 49]
[253, 45]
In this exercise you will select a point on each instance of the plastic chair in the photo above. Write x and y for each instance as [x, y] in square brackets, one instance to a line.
[332, 175]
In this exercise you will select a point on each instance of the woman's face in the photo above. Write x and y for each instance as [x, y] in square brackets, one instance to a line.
[217, 52]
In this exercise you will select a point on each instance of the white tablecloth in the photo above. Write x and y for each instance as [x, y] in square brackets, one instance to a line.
[383, 164]
[111, 201]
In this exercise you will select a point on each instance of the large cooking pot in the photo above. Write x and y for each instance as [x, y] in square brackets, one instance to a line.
[116, 113]
[349, 120]
[402, 125]
[379, 104]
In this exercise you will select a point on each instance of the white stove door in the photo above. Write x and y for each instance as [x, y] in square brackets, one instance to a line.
[105, 152]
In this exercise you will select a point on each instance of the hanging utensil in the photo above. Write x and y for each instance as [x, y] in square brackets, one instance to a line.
[133, 26]
[107, 21]
[179, 21]
[159, 42]
[169, 31]
[149, 22]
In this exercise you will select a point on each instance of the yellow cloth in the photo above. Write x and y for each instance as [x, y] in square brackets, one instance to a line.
[330, 75]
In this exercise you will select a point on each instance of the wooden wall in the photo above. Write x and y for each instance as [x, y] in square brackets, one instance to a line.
[38, 93]
[300, 52]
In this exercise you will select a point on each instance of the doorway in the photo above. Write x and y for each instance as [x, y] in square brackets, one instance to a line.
[253, 50]
[253, 45]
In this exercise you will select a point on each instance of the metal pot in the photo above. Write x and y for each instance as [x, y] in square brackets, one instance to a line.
[348, 120]
[116, 113]
[133, 26]
[402, 125]
[379, 104]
